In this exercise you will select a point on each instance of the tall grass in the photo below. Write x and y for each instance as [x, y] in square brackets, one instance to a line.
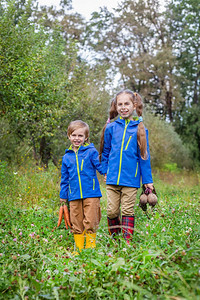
[37, 261]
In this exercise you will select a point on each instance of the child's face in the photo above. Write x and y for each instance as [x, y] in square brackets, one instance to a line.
[77, 138]
[125, 106]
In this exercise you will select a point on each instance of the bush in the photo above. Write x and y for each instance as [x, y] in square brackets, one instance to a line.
[166, 145]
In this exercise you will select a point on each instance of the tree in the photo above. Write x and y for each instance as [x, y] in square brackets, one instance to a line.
[136, 43]
[71, 24]
[45, 84]
[35, 74]
[184, 24]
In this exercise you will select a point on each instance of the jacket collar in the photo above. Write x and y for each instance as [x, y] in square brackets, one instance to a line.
[133, 122]
[81, 148]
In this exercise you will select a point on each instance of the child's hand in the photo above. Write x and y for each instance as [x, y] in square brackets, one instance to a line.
[149, 185]
[62, 200]
[105, 177]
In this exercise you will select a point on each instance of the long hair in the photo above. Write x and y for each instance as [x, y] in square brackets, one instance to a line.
[141, 133]
[76, 125]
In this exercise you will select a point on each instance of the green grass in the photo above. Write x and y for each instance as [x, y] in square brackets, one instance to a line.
[37, 262]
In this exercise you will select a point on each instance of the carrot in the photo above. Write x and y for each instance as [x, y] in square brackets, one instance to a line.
[66, 216]
[65, 221]
[61, 211]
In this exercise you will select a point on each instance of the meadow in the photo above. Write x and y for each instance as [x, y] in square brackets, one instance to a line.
[37, 261]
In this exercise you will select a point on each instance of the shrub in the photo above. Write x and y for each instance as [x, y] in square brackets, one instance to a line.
[166, 145]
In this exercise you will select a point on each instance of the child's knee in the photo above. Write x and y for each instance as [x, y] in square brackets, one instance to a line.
[127, 211]
[113, 210]
[112, 215]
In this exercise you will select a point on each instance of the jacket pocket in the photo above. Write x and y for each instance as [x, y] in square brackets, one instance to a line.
[82, 164]
[128, 142]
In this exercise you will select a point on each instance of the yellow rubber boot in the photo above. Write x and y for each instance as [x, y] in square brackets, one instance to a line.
[79, 242]
[90, 240]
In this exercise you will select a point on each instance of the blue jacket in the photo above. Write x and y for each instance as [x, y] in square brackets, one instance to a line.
[78, 173]
[121, 159]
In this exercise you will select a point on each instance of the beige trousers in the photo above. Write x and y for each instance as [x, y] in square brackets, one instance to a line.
[85, 214]
[120, 195]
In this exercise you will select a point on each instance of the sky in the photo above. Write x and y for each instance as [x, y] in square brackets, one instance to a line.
[84, 7]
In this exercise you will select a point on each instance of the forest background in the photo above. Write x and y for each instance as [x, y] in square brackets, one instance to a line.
[57, 67]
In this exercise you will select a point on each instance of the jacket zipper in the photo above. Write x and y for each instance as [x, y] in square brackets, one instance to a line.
[82, 164]
[79, 178]
[70, 189]
[128, 142]
[122, 145]
[136, 170]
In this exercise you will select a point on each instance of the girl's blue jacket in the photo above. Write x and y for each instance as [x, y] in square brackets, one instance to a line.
[121, 159]
[78, 173]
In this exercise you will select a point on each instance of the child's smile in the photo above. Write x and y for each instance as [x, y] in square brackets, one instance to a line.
[125, 106]
[77, 138]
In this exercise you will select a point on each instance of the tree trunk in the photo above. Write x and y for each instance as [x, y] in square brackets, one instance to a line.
[35, 155]
[169, 104]
[45, 152]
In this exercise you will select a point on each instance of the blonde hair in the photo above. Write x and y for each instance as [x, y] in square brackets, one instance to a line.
[141, 133]
[74, 125]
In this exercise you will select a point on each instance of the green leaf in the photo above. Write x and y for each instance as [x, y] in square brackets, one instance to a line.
[95, 262]
[119, 263]
[25, 256]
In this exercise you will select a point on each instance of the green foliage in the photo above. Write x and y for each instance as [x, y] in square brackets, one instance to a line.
[9, 142]
[188, 126]
[136, 44]
[90, 102]
[45, 83]
[44, 86]
[172, 167]
[34, 75]
[184, 29]
[37, 258]
[183, 19]
[157, 54]
[165, 144]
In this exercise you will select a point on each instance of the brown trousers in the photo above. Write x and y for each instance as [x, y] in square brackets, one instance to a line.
[85, 215]
[120, 195]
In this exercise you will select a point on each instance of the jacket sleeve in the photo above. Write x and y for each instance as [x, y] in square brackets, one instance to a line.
[145, 165]
[106, 150]
[95, 161]
[64, 185]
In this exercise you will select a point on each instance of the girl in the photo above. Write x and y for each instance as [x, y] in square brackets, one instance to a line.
[125, 157]
[80, 186]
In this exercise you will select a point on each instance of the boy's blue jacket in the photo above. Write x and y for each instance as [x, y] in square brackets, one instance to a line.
[121, 159]
[78, 173]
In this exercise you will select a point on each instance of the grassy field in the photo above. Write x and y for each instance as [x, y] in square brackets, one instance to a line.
[36, 260]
